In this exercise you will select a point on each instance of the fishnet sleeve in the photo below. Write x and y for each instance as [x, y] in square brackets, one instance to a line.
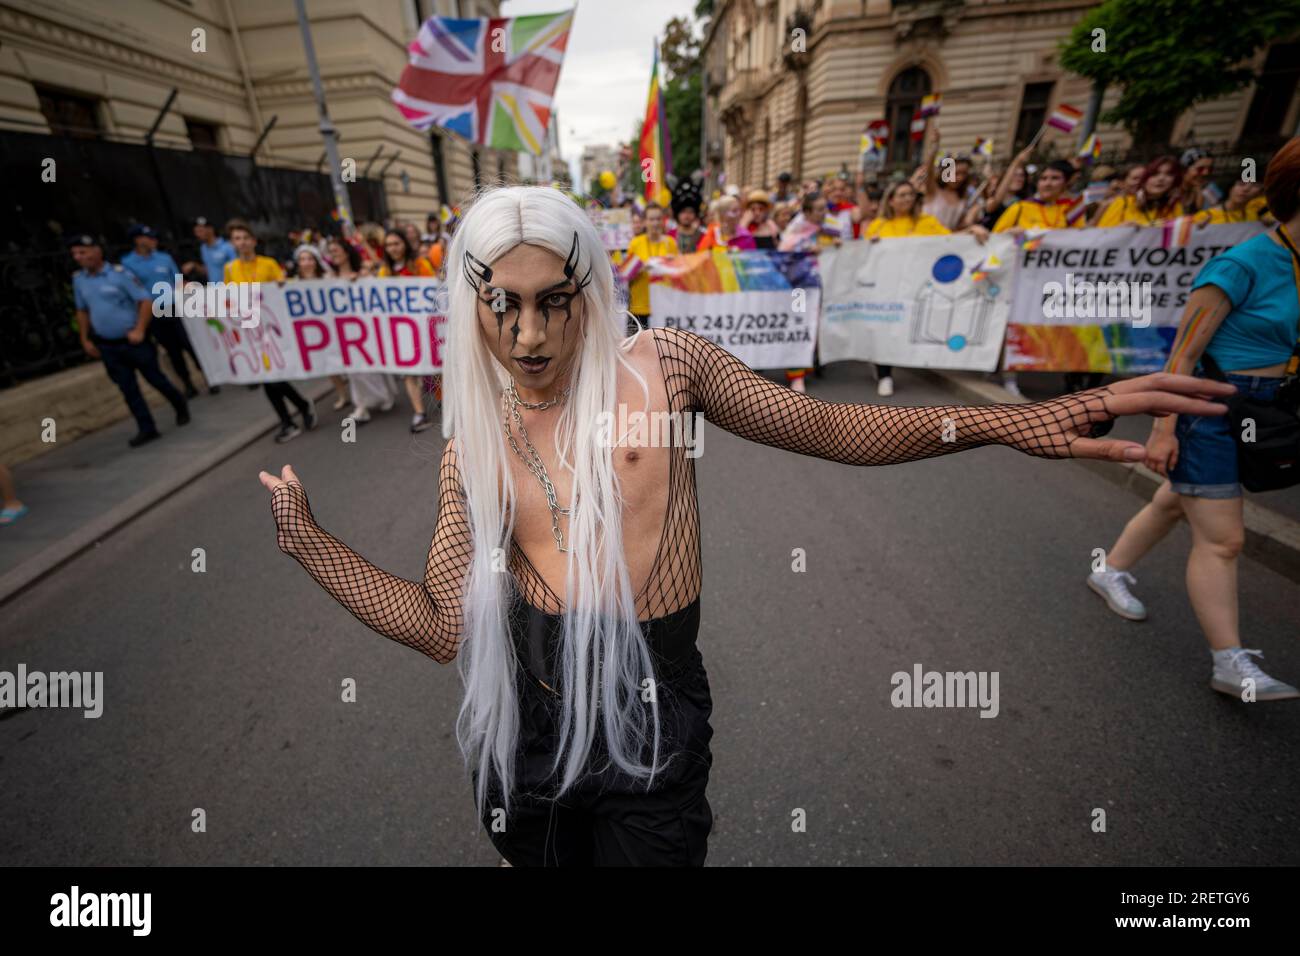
[708, 378]
[427, 615]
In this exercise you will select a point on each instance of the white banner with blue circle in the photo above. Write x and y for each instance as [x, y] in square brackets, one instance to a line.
[920, 302]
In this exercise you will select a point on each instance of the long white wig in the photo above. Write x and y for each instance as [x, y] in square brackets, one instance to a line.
[603, 655]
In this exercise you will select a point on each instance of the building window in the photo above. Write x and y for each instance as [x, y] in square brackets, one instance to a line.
[202, 135]
[1274, 91]
[1033, 113]
[69, 114]
[903, 100]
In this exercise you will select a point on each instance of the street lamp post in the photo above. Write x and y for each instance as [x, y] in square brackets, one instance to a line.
[327, 130]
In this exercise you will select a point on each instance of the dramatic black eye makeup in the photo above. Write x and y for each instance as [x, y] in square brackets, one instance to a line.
[555, 302]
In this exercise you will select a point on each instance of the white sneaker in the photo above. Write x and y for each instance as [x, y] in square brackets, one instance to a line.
[1236, 675]
[885, 387]
[1012, 386]
[360, 415]
[1113, 587]
[797, 385]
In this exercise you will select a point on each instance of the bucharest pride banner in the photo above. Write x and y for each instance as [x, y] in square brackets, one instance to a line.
[1108, 300]
[313, 328]
[919, 302]
[762, 306]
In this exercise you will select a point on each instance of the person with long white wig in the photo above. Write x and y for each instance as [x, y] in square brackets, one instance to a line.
[564, 573]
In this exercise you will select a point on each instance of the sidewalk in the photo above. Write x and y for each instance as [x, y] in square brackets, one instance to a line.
[1272, 519]
[80, 493]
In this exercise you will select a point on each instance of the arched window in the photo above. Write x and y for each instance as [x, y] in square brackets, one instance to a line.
[904, 99]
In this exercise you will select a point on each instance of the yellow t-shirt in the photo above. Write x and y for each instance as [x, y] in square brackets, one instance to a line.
[1032, 214]
[261, 269]
[901, 227]
[645, 250]
[1216, 215]
[1124, 211]
[416, 268]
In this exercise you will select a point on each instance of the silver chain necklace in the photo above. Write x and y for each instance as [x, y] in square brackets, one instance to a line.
[533, 461]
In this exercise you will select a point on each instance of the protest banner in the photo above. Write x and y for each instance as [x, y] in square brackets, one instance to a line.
[760, 306]
[1108, 300]
[308, 329]
[920, 302]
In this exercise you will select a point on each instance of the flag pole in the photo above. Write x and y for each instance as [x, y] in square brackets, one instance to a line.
[1037, 136]
[327, 130]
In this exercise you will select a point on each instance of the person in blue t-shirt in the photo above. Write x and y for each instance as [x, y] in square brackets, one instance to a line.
[159, 274]
[1243, 316]
[113, 315]
[215, 250]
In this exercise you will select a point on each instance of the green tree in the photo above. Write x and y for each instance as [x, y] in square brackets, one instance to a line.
[1168, 55]
[679, 58]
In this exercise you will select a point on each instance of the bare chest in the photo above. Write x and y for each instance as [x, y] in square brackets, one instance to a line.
[638, 438]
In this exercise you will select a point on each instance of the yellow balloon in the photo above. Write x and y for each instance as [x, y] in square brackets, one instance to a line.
[665, 197]
[607, 180]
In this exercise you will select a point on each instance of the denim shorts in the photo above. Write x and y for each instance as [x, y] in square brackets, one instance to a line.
[1207, 447]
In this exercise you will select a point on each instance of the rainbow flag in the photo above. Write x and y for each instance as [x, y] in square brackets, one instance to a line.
[655, 145]
[983, 147]
[490, 80]
[930, 104]
[1065, 118]
[1091, 148]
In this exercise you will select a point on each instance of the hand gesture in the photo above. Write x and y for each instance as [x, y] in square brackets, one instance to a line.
[1071, 426]
[289, 506]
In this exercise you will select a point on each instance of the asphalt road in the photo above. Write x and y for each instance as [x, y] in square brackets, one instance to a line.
[223, 688]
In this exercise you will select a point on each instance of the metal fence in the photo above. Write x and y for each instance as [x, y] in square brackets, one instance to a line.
[103, 188]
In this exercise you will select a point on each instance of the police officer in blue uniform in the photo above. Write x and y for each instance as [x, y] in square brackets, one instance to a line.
[113, 314]
[157, 272]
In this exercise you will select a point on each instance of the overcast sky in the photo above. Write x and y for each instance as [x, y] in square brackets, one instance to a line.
[606, 72]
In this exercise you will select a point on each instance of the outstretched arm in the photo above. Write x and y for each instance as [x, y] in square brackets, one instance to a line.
[425, 615]
[734, 397]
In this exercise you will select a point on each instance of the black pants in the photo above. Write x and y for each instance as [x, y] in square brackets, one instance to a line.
[884, 371]
[170, 334]
[277, 392]
[122, 360]
[669, 828]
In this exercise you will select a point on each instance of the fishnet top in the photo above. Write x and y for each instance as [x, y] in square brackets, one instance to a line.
[699, 376]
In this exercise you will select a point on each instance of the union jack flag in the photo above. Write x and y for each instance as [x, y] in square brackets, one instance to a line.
[491, 80]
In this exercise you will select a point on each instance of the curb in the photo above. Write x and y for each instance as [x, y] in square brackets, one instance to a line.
[1272, 539]
[85, 537]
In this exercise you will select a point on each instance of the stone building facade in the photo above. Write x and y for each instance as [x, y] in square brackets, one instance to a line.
[107, 69]
[769, 108]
